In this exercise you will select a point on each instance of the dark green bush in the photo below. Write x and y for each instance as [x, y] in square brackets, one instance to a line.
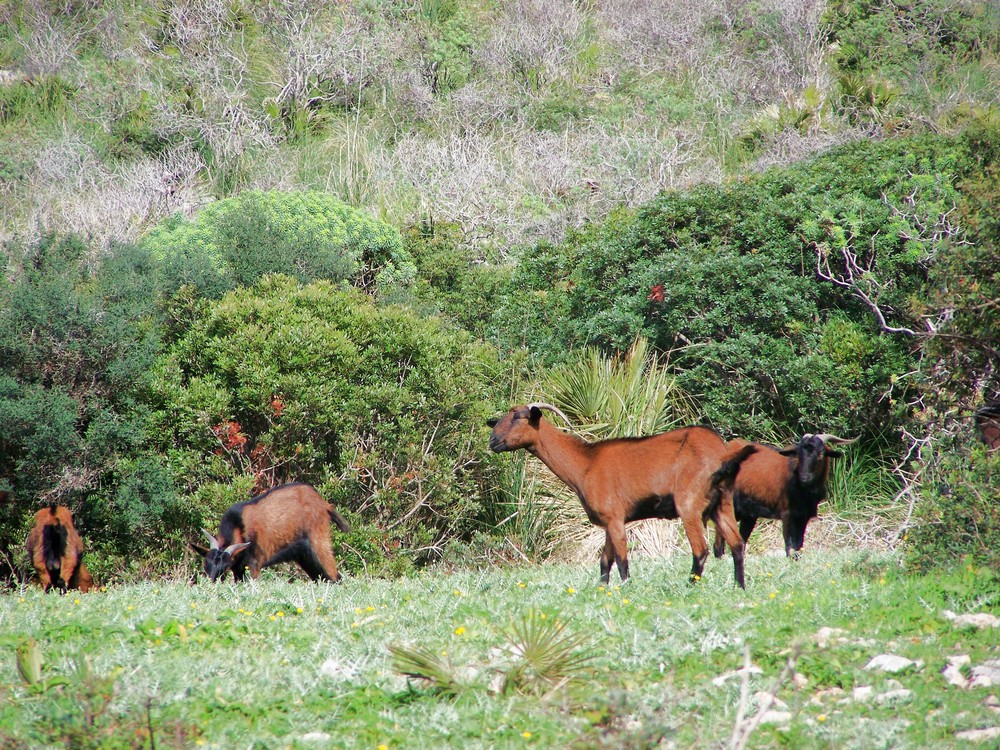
[957, 517]
[726, 277]
[894, 56]
[447, 282]
[956, 513]
[75, 338]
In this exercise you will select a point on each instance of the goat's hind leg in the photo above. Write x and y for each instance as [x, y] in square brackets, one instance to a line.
[695, 530]
[607, 557]
[725, 524]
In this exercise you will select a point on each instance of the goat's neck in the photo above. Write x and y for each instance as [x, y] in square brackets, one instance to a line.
[566, 455]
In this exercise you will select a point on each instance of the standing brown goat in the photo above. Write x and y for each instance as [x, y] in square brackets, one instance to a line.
[287, 523]
[682, 474]
[788, 484]
[56, 550]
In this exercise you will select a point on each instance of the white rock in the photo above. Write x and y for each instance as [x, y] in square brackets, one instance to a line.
[979, 735]
[723, 678]
[316, 737]
[985, 675]
[799, 680]
[776, 717]
[890, 663]
[776, 703]
[825, 635]
[337, 670]
[954, 676]
[863, 694]
[973, 620]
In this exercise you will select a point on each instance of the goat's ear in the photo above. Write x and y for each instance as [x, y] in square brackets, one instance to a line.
[534, 415]
[830, 453]
[199, 549]
[492, 421]
[791, 451]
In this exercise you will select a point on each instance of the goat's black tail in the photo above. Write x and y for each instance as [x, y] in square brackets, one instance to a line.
[338, 519]
[725, 475]
[53, 545]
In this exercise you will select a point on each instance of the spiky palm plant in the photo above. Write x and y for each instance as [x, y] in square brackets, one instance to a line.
[546, 654]
[624, 396]
[524, 509]
[425, 664]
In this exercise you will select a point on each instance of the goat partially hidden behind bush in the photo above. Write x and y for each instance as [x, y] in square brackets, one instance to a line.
[787, 484]
[56, 550]
[290, 523]
[682, 474]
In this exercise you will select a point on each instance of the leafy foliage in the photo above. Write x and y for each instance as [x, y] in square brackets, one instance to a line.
[376, 406]
[72, 346]
[955, 513]
[923, 48]
[308, 236]
[726, 276]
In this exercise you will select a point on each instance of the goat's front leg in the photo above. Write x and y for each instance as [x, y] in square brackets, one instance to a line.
[607, 555]
[619, 545]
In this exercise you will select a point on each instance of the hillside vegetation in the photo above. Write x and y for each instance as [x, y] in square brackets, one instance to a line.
[250, 242]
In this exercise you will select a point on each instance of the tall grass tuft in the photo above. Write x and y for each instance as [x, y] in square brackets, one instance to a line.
[531, 517]
[425, 664]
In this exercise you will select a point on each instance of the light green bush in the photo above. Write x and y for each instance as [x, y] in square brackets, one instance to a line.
[307, 235]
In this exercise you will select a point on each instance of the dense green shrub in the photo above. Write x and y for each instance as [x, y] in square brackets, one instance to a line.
[448, 283]
[957, 517]
[306, 235]
[956, 511]
[726, 276]
[74, 340]
[381, 409]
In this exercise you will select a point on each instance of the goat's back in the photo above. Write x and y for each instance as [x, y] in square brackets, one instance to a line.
[677, 457]
[279, 517]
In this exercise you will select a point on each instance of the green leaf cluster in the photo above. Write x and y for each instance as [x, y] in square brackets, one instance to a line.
[306, 235]
[726, 277]
[290, 382]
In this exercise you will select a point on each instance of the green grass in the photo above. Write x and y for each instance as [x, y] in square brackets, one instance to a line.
[278, 664]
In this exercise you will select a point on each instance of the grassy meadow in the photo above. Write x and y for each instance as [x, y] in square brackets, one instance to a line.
[515, 657]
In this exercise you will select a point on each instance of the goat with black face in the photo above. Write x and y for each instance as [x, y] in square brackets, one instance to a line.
[290, 523]
[787, 484]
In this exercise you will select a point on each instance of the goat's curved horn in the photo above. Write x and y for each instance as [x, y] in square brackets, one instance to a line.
[211, 538]
[551, 408]
[834, 440]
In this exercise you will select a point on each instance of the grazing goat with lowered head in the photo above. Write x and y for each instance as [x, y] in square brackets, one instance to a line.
[56, 550]
[287, 523]
[683, 473]
[788, 484]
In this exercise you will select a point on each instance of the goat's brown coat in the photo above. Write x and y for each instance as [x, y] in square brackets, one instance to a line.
[62, 568]
[279, 521]
[628, 479]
